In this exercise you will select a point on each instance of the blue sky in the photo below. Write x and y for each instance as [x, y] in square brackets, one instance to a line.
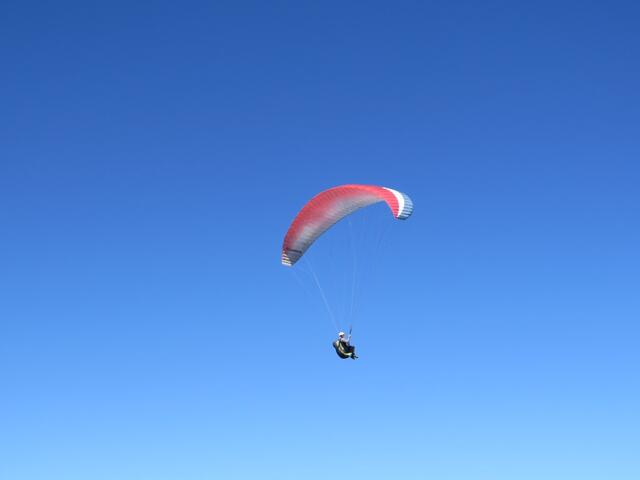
[152, 156]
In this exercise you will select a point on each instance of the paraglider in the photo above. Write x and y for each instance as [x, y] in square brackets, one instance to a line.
[343, 346]
[322, 212]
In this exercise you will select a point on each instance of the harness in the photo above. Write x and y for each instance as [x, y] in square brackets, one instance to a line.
[338, 345]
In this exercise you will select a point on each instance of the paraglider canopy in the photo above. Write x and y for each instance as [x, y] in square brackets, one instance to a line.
[329, 207]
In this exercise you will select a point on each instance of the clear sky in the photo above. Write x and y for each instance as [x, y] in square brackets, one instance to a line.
[152, 155]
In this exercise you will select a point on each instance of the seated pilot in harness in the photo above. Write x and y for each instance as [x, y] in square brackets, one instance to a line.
[344, 349]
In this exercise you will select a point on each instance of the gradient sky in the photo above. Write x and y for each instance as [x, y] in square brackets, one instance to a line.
[152, 155]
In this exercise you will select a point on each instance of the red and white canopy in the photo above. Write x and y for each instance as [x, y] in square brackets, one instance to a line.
[330, 206]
